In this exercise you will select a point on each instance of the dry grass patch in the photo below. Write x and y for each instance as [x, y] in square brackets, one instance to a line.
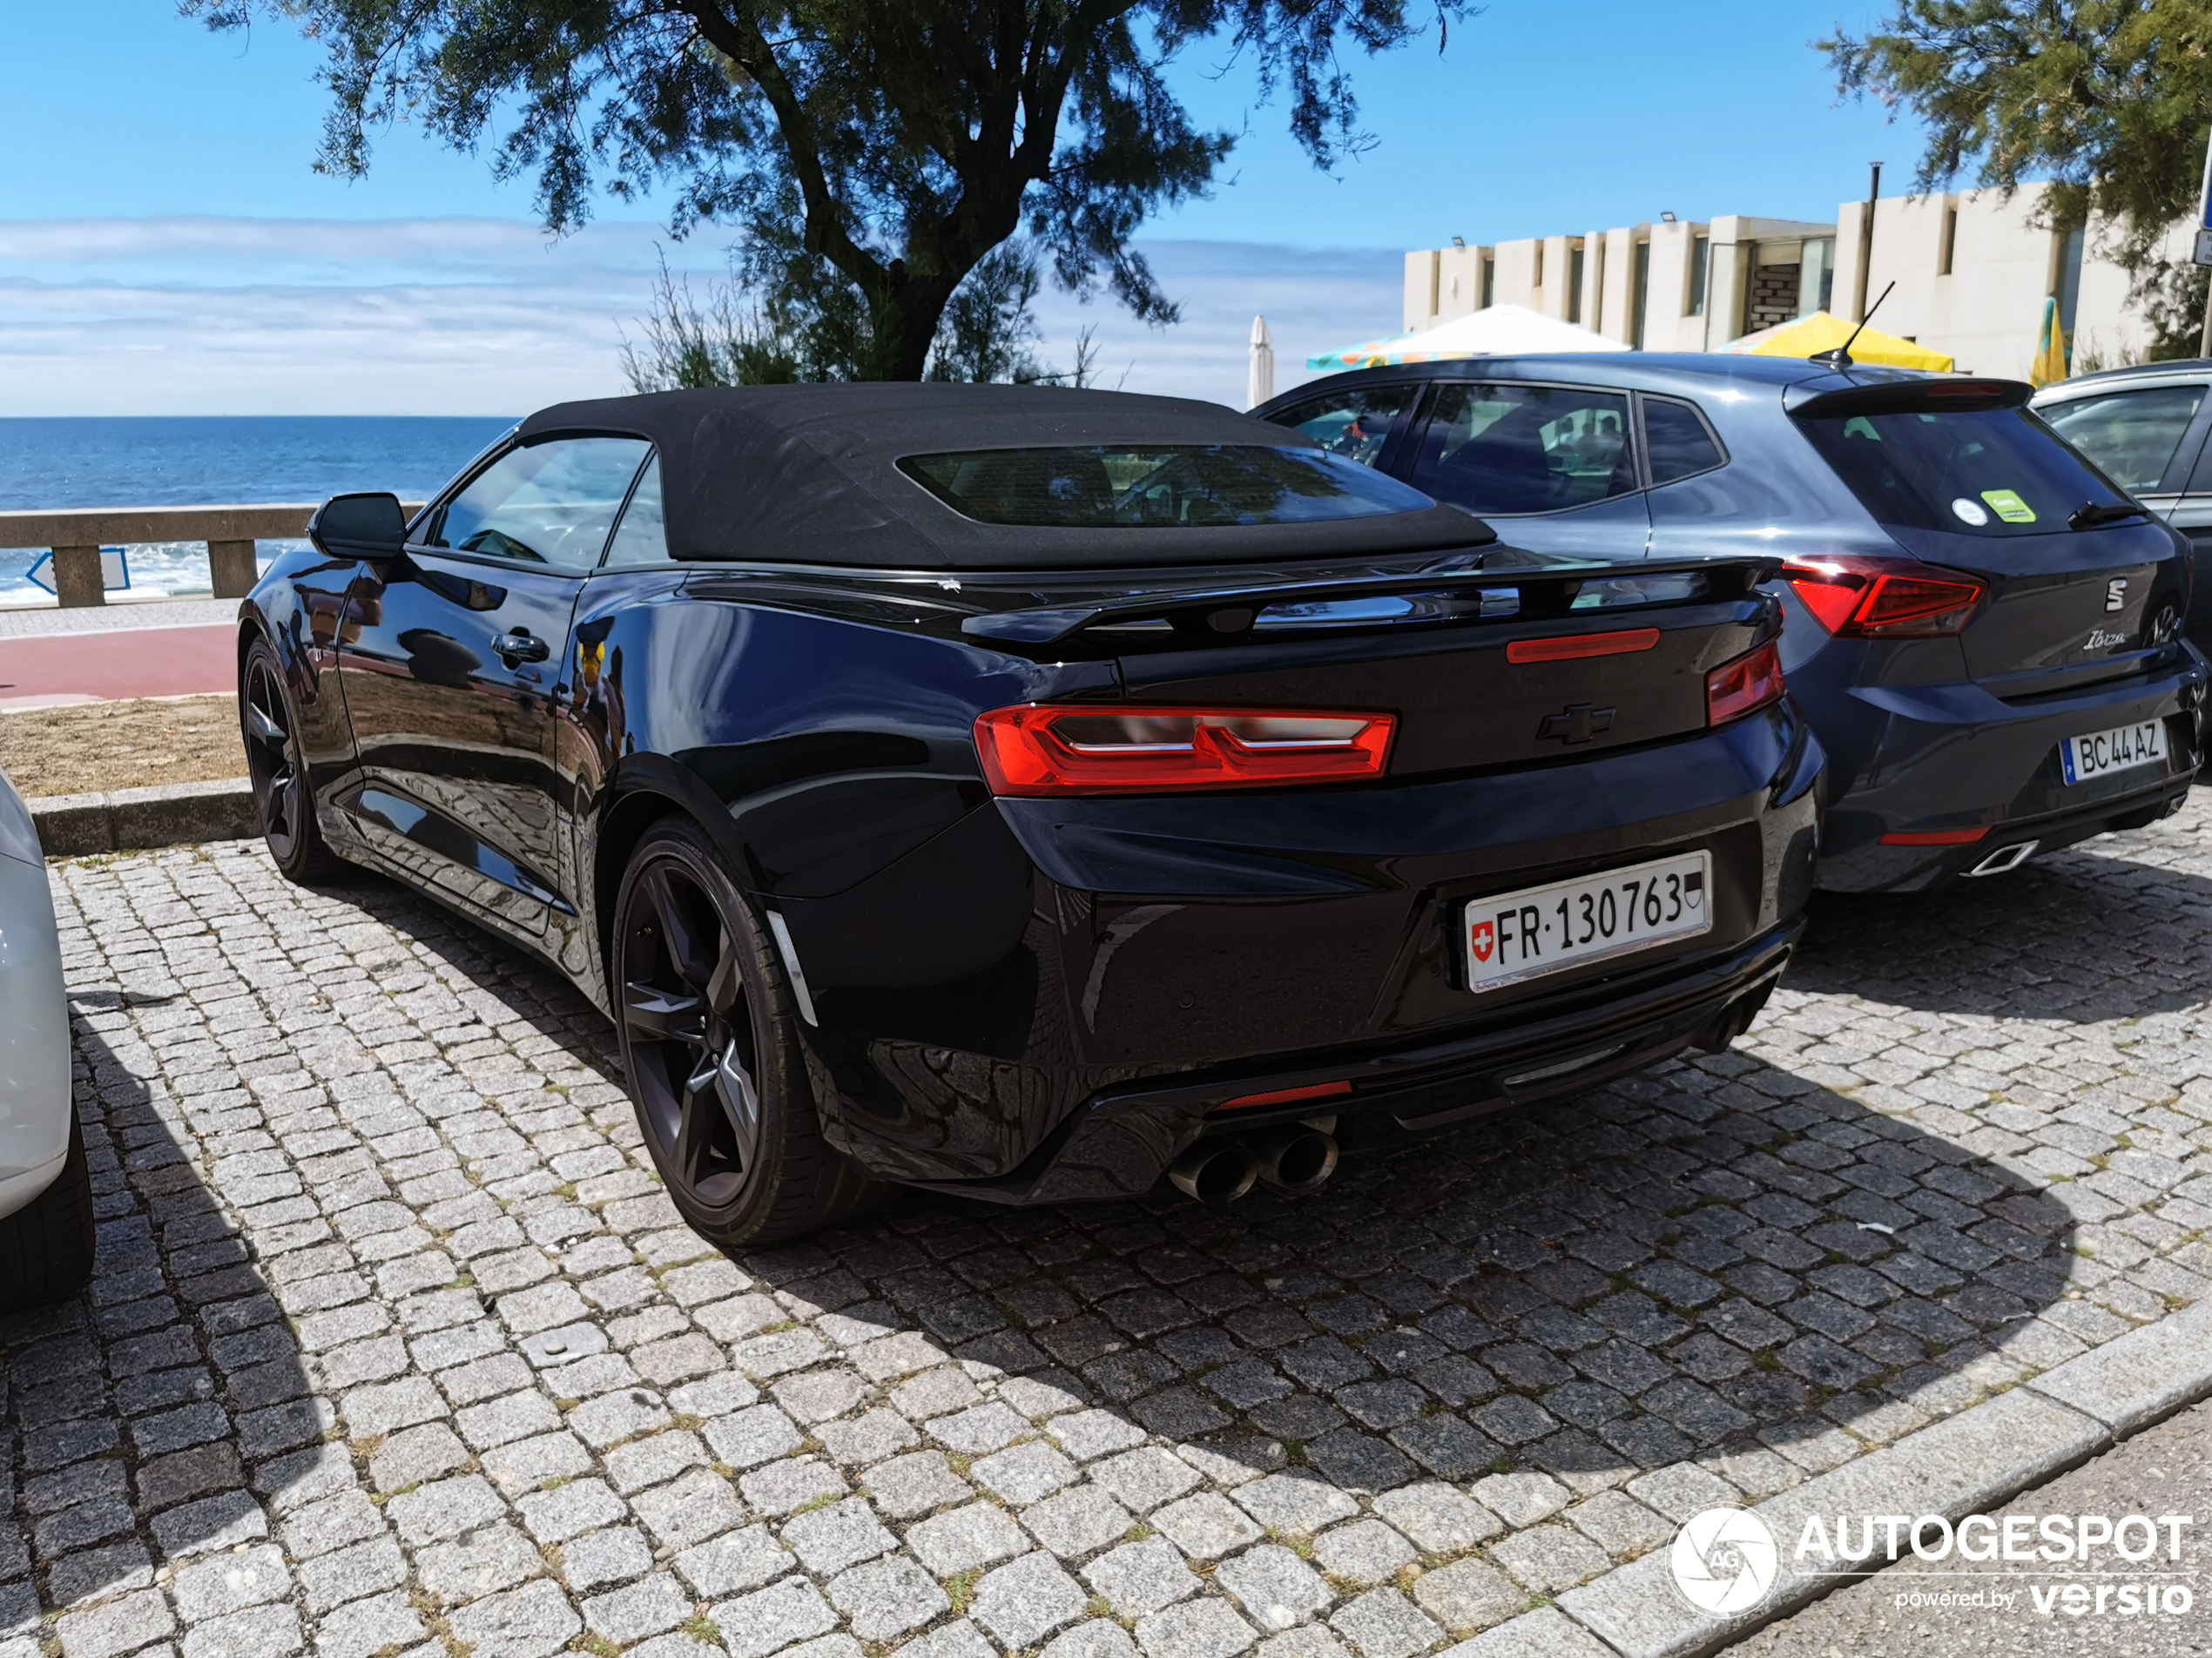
[121, 744]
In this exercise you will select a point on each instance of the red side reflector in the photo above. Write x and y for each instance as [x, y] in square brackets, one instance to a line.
[1286, 1096]
[1570, 647]
[1937, 837]
[1745, 685]
[1120, 748]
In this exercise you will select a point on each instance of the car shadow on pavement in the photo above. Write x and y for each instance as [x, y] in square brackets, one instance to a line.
[1719, 1264]
[2083, 935]
[142, 1414]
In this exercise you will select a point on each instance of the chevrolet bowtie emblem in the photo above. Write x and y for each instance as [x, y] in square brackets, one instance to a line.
[1578, 723]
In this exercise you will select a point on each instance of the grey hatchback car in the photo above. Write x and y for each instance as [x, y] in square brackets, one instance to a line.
[1982, 627]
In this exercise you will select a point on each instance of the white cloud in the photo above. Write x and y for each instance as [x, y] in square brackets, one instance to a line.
[213, 315]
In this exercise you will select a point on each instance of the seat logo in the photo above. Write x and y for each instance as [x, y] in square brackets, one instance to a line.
[1724, 1560]
[1576, 723]
[2116, 593]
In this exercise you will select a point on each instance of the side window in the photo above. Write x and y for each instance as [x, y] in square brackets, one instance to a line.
[1354, 423]
[1678, 441]
[550, 503]
[2132, 436]
[1506, 449]
[641, 537]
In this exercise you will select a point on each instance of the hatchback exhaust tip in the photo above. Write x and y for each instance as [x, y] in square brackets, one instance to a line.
[2005, 857]
[1295, 1159]
[1214, 1171]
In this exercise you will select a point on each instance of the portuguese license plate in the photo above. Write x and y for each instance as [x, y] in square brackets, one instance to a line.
[2093, 756]
[1513, 936]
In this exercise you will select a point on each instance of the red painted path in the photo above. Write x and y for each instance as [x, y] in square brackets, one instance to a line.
[127, 662]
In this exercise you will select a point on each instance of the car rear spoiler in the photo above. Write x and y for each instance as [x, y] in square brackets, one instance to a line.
[1223, 613]
[1824, 399]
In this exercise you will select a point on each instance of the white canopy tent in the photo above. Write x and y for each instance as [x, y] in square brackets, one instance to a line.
[1495, 331]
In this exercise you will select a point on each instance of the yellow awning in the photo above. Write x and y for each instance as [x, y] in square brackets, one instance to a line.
[1807, 336]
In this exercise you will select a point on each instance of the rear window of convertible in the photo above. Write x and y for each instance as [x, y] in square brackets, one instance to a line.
[1105, 488]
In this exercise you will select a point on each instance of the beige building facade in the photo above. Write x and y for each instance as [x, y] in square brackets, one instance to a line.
[1972, 270]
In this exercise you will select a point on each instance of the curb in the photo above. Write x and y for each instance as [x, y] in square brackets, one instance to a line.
[1966, 1464]
[71, 826]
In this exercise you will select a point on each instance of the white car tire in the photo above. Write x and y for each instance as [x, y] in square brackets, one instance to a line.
[46, 1246]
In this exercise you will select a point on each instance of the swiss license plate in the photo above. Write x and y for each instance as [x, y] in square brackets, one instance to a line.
[1512, 936]
[2093, 756]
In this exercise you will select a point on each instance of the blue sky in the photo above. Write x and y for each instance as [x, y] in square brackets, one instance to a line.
[164, 245]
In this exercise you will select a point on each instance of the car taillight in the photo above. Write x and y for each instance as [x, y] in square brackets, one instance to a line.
[1043, 749]
[1736, 688]
[1872, 598]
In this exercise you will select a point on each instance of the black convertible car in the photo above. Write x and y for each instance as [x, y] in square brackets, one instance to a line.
[1024, 793]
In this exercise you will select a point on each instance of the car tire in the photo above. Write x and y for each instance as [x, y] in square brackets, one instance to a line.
[283, 802]
[710, 1042]
[46, 1246]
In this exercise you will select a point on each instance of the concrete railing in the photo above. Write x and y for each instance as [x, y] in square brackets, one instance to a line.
[76, 535]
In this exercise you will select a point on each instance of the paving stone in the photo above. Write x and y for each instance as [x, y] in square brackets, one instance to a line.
[597, 1558]
[1023, 1601]
[1096, 1639]
[918, 1483]
[1468, 1595]
[772, 1618]
[1205, 1526]
[1024, 1473]
[1078, 1522]
[1144, 1478]
[828, 1539]
[1366, 1551]
[495, 1558]
[648, 1608]
[532, 1622]
[1292, 1503]
[1437, 1519]
[887, 1598]
[1383, 1623]
[1141, 1578]
[1275, 1587]
[978, 1535]
[1194, 1629]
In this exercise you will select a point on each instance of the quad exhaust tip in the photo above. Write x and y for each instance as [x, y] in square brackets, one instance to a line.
[1215, 1171]
[1296, 1159]
[2005, 857]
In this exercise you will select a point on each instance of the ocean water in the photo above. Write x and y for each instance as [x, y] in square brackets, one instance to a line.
[181, 460]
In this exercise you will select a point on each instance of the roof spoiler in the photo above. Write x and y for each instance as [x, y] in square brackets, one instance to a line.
[1930, 396]
[1224, 613]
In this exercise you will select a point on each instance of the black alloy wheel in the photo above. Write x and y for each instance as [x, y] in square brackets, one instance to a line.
[282, 801]
[710, 1043]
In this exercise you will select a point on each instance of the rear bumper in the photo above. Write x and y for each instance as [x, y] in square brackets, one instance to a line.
[1117, 1144]
[1953, 756]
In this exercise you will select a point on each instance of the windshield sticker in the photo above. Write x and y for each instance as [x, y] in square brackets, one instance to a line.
[1972, 512]
[2009, 507]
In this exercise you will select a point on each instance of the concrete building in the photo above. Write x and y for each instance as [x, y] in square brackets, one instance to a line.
[1972, 269]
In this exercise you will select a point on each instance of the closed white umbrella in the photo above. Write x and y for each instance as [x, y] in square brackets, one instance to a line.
[1259, 383]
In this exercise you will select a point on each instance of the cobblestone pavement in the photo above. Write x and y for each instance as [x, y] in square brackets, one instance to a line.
[395, 1345]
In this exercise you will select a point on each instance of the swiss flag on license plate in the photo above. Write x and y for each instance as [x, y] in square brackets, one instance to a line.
[1481, 941]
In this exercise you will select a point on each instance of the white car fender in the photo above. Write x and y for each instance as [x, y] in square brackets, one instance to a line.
[34, 1020]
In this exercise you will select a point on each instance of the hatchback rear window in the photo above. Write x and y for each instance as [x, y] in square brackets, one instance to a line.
[1984, 472]
[1105, 488]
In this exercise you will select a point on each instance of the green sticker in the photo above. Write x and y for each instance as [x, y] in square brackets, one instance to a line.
[2009, 507]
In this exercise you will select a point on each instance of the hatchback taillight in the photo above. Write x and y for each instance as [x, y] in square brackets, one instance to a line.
[1086, 748]
[1738, 688]
[1878, 598]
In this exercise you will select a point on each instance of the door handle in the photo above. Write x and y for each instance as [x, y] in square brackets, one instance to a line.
[520, 646]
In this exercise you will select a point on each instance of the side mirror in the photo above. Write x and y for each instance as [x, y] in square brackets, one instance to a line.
[369, 525]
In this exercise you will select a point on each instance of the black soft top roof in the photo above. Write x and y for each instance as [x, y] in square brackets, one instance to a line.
[808, 474]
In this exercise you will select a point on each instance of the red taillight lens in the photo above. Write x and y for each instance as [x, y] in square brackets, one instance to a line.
[1040, 749]
[1285, 1096]
[1864, 598]
[1935, 837]
[1736, 688]
[1574, 647]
